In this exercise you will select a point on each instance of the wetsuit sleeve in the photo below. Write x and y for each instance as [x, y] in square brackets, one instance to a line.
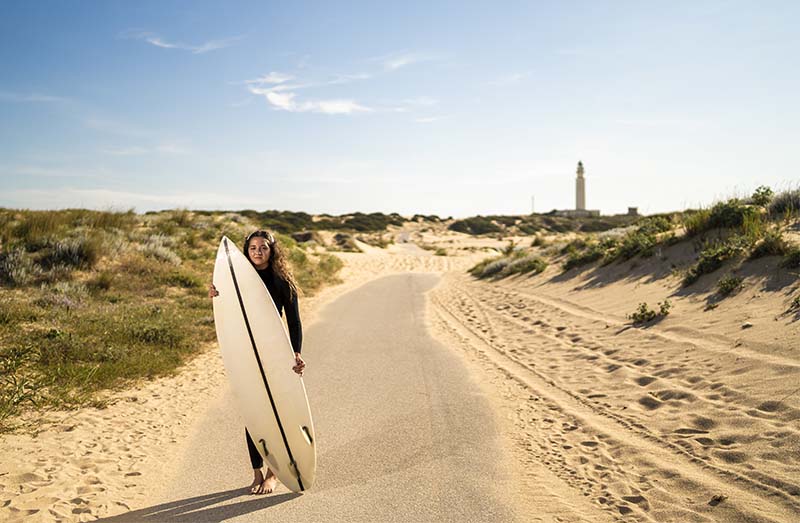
[293, 321]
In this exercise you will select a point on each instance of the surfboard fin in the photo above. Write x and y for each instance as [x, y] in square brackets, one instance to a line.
[307, 435]
[264, 446]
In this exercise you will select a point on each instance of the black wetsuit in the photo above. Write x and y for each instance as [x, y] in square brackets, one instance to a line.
[285, 300]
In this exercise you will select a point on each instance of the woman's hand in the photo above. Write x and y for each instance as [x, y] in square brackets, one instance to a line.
[212, 291]
[300, 365]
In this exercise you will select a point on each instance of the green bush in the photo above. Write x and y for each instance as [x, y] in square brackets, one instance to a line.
[711, 259]
[729, 284]
[771, 244]
[526, 265]
[762, 196]
[80, 253]
[478, 268]
[723, 215]
[644, 313]
[475, 226]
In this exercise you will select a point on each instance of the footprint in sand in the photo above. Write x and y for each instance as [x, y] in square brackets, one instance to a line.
[645, 380]
[649, 402]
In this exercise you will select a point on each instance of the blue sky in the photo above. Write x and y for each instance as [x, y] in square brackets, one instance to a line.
[453, 108]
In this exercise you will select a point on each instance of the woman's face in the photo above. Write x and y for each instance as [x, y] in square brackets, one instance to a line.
[258, 252]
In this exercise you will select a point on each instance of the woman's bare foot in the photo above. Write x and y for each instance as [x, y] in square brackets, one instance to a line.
[269, 483]
[258, 479]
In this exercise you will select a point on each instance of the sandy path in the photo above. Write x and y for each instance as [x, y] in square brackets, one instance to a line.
[91, 463]
[649, 424]
[404, 431]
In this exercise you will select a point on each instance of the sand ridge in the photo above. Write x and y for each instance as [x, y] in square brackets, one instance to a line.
[648, 426]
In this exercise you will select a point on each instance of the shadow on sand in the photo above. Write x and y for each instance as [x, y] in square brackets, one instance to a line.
[201, 509]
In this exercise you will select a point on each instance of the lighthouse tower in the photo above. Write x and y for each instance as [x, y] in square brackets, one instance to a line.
[580, 189]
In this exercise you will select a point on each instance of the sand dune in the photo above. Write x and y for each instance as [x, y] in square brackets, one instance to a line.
[669, 423]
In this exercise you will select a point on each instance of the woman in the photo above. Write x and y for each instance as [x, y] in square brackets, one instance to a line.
[270, 263]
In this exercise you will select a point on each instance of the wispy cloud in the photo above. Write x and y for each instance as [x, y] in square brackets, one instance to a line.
[430, 119]
[277, 90]
[6, 96]
[509, 79]
[154, 39]
[164, 148]
[395, 61]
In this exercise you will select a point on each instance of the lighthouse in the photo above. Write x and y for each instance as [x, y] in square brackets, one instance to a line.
[580, 189]
[580, 210]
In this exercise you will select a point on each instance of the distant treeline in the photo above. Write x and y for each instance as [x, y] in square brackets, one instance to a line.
[535, 223]
[288, 222]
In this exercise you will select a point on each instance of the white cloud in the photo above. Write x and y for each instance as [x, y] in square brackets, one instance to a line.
[509, 79]
[153, 39]
[163, 148]
[280, 95]
[271, 78]
[397, 61]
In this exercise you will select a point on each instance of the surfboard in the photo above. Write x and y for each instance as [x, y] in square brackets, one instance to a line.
[258, 359]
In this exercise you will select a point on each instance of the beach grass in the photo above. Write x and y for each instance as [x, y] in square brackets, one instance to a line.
[94, 300]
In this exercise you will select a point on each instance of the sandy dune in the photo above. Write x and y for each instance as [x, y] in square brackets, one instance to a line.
[692, 419]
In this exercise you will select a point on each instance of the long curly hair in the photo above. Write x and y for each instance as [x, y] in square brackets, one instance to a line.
[278, 263]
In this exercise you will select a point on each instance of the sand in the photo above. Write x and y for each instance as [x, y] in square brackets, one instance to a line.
[690, 419]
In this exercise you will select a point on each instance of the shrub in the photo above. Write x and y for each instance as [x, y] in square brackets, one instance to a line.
[654, 225]
[762, 196]
[156, 247]
[475, 226]
[345, 242]
[636, 243]
[494, 268]
[785, 204]
[80, 253]
[723, 215]
[573, 246]
[772, 244]
[729, 284]
[579, 258]
[711, 259]
[16, 268]
[644, 313]
[528, 264]
[478, 268]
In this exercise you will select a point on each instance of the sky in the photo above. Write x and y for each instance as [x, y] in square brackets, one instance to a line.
[451, 108]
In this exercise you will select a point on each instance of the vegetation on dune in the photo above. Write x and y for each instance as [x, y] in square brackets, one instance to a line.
[513, 261]
[729, 284]
[644, 314]
[91, 300]
[475, 226]
[735, 229]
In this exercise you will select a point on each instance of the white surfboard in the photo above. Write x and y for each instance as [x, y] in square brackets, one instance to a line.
[258, 357]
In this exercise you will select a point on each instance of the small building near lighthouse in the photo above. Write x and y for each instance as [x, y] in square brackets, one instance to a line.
[580, 210]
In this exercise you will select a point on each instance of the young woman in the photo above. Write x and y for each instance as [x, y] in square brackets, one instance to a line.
[270, 263]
